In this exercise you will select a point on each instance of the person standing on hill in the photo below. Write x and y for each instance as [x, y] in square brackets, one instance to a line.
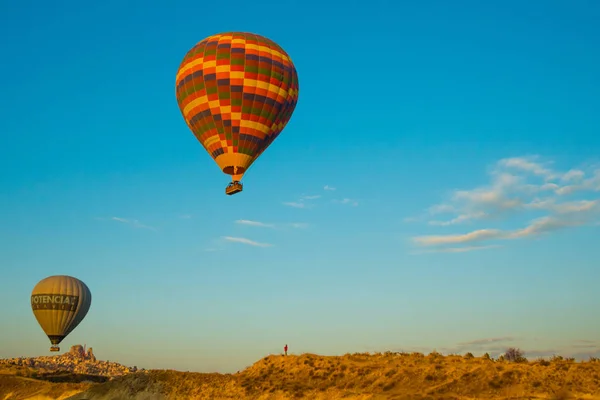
[285, 349]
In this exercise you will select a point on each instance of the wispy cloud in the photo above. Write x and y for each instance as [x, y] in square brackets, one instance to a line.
[497, 346]
[296, 204]
[296, 225]
[185, 216]
[254, 223]
[474, 236]
[134, 223]
[246, 241]
[458, 219]
[486, 341]
[494, 346]
[518, 186]
[346, 201]
[528, 164]
[311, 197]
[585, 346]
[457, 249]
[305, 201]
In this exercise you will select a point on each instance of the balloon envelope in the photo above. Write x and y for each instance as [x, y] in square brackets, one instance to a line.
[59, 304]
[236, 92]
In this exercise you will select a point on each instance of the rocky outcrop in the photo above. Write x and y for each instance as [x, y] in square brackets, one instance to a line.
[90, 355]
[76, 361]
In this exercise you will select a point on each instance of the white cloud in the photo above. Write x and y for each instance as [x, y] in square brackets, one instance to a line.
[498, 346]
[303, 202]
[131, 222]
[527, 164]
[589, 184]
[543, 225]
[573, 175]
[347, 201]
[185, 216]
[457, 249]
[479, 342]
[254, 223]
[246, 241]
[565, 207]
[460, 218]
[518, 185]
[441, 209]
[313, 197]
[474, 236]
[296, 204]
[296, 225]
[535, 228]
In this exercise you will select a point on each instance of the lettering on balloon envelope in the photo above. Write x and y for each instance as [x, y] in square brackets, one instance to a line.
[59, 302]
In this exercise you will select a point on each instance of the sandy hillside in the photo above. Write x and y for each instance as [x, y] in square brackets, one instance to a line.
[357, 376]
[18, 387]
[55, 377]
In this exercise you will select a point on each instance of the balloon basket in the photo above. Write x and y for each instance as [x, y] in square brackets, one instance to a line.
[233, 188]
[54, 348]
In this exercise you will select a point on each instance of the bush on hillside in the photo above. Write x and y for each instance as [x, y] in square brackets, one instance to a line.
[515, 355]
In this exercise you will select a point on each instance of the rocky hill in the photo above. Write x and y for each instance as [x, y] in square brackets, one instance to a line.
[396, 376]
[75, 361]
[55, 377]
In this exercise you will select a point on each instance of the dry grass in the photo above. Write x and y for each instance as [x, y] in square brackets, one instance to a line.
[14, 387]
[404, 376]
[358, 376]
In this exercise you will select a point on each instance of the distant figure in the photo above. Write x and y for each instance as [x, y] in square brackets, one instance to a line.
[285, 349]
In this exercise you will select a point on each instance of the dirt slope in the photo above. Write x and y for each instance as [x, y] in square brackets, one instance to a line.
[14, 387]
[360, 376]
[357, 376]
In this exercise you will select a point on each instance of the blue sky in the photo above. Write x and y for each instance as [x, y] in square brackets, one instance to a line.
[462, 141]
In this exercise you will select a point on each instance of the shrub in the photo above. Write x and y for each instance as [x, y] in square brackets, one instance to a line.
[543, 362]
[515, 355]
[470, 355]
[434, 354]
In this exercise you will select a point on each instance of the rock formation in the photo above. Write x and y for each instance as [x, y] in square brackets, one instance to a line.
[90, 355]
[76, 361]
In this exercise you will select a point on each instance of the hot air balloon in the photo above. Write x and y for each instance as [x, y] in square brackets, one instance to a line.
[236, 92]
[59, 304]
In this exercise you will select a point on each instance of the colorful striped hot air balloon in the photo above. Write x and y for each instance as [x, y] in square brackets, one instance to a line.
[59, 304]
[236, 92]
